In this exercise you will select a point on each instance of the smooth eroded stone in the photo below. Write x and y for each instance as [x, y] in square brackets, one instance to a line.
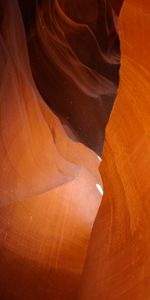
[118, 263]
[48, 183]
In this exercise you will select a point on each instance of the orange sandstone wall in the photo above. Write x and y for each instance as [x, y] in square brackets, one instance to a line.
[48, 194]
[118, 263]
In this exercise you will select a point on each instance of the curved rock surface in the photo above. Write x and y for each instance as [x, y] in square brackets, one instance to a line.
[118, 263]
[48, 183]
[48, 180]
[75, 58]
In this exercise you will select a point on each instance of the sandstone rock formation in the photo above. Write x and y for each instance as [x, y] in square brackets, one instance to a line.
[50, 186]
[118, 264]
[75, 59]
[48, 183]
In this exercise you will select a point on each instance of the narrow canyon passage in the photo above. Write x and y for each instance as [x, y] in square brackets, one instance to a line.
[59, 76]
[75, 58]
[50, 185]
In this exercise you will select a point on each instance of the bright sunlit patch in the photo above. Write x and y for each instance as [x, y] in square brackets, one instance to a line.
[99, 158]
[99, 188]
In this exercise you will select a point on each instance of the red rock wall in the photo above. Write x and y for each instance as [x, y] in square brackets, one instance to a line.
[118, 264]
[48, 194]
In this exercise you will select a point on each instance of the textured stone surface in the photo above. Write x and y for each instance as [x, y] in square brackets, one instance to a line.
[48, 194]
[75, 60]
[118, 264]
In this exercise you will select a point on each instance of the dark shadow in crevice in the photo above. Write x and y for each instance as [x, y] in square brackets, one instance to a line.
[86, 116]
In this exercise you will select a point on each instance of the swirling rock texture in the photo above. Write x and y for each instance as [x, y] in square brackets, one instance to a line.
[48, 194]
[118, 264]
[48, 178]
[75, 59]
[50, 186]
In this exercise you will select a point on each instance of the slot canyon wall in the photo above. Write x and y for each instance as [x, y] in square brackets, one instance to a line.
[75, 60]
[48, 194]
[50, 186]
[118, 263]
[55, 101]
